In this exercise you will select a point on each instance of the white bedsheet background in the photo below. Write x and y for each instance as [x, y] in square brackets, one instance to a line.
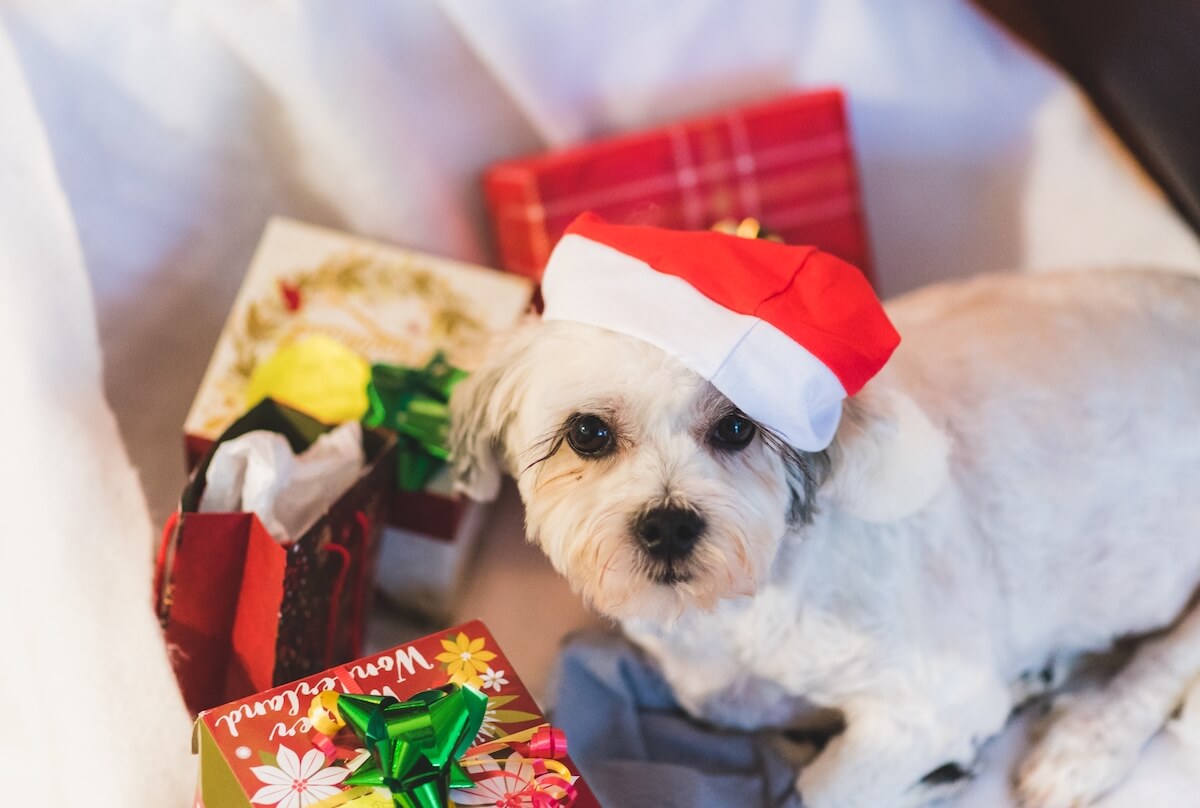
[148, 141]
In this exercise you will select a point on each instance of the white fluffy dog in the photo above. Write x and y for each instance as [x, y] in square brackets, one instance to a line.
[1018, 485]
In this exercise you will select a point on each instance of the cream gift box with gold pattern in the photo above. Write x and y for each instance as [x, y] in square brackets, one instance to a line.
[390, 305]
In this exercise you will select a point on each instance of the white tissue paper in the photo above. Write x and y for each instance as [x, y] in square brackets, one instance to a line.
[288, 492]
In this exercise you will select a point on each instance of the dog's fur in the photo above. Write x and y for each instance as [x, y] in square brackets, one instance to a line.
[1017, 485]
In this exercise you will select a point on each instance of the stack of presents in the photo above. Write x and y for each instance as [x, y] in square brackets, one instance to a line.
[319, 489]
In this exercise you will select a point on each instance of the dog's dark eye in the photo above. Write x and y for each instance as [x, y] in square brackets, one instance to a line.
[590, 435]
[734, 431]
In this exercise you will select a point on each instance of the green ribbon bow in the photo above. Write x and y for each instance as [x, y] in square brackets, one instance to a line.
[415, 745]
[413, 403]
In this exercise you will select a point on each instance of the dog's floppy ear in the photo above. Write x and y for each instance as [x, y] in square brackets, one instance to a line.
[889, 460]
[481, 407]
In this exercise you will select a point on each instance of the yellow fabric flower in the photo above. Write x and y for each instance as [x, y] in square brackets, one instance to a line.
[465, 659]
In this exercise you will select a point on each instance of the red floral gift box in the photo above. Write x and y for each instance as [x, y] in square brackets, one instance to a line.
[788, 162]
[440, 721]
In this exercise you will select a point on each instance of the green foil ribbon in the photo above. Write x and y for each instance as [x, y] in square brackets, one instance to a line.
[414, 403]
[415, 744]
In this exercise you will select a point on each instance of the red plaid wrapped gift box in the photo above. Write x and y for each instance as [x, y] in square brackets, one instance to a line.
[264, 749]
[788, 163]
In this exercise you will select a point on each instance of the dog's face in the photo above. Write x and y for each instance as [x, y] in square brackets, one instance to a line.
[648, 490]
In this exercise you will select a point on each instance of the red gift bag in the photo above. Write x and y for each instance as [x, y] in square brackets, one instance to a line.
[242, 612]
[788, 163]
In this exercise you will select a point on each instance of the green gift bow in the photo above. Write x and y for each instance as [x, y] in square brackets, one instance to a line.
[415, 745]
[413, 402]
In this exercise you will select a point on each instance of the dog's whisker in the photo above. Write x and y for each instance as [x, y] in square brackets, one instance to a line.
[595, 559]
[543, 448]
[607, 566]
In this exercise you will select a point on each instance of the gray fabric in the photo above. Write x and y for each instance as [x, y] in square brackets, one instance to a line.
[635, 747]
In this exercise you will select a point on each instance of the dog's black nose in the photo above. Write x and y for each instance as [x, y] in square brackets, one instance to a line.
[669, 533]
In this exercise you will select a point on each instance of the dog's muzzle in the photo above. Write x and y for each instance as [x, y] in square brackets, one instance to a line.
[668, 535]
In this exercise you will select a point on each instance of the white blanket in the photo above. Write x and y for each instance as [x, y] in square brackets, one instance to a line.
[143, 144]
[91, 707]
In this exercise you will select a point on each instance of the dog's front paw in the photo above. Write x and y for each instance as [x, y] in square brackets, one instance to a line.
[819, 788]
[838, 778]
[1084, 754]
[825, 787]
[814, 793]
[879, 761]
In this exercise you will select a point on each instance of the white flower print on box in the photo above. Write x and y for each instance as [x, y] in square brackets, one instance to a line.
[296, 782]
[493, 679]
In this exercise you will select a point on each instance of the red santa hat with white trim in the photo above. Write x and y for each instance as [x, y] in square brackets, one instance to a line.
[784, 332]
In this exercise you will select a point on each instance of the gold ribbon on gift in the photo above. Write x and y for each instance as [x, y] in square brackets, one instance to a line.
[746, 228]
[357, 797]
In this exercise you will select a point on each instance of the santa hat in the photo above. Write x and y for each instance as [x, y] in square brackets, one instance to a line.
[786, 333]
